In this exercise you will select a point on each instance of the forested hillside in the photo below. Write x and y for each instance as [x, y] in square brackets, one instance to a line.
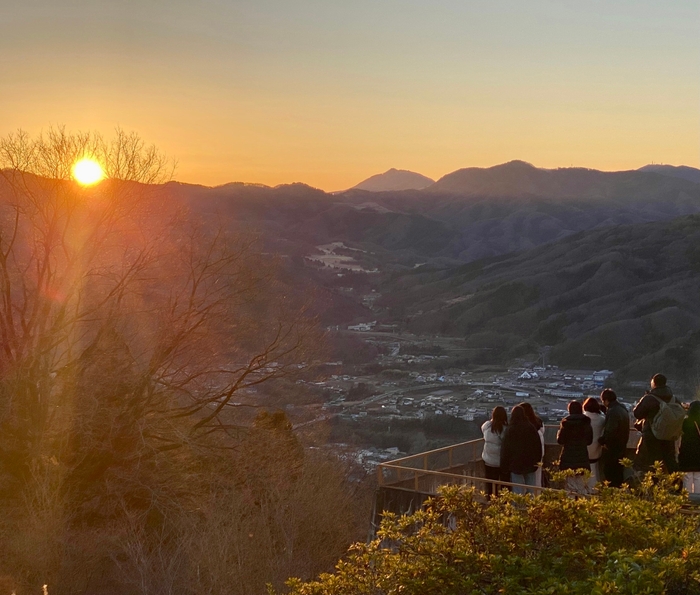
[601, 266]
[624, 297]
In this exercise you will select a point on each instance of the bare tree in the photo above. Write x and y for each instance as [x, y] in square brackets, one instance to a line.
[113, 289]
[129, 333]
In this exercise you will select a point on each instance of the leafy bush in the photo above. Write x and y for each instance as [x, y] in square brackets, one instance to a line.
[618, 541]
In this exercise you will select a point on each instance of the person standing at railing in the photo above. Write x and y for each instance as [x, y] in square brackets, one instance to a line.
[591, 409]
[521, 450]
[493, 431]
[658, 441]
[689, 452]
[535, 420]
[575, 434]
[614, 439]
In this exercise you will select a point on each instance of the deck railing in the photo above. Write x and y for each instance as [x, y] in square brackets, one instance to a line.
[449, 462]
[457, 464]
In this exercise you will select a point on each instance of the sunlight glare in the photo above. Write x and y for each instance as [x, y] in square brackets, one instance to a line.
[87, 172]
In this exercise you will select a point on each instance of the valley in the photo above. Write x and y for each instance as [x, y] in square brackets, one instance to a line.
[436, 301]
[418, 395]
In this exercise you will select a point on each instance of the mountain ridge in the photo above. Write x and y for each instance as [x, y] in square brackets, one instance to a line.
[449, 225]
[684, 172]
[516, 178]
[586, 275]
[519, 179]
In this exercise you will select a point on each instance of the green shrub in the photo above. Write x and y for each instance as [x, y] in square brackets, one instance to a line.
[618, 541]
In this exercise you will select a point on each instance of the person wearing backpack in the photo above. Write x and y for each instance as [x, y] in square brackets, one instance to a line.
[660, 420]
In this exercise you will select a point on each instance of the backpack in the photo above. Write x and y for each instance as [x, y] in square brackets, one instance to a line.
[668, 422]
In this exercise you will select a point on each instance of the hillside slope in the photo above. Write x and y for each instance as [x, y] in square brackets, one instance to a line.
[623, 297]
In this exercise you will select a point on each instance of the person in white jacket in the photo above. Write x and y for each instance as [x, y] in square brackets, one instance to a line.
[591, 409]
[493, 431]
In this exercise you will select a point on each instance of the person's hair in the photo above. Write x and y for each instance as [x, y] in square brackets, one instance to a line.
[694, 411]
[517, 415]
[531, 415]
[591, 405]
[658, 380]
[575, 407]
[608, 395]
[499, 419]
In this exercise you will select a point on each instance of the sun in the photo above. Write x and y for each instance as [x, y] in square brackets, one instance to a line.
[88, 172]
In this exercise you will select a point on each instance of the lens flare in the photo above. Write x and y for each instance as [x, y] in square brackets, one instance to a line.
[88, 172]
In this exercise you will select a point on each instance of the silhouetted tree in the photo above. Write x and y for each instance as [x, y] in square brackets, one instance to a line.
[128, 333]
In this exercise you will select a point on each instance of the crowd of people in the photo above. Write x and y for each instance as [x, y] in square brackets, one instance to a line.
[594, 437]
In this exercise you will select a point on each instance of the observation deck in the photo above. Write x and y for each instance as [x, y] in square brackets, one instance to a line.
[405, 484]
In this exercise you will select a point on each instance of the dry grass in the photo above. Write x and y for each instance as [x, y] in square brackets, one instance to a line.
[283, 521]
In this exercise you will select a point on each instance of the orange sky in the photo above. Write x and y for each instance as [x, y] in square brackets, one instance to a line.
[274, 91]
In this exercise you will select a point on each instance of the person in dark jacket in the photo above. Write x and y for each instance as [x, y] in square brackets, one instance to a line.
[650, 448]
[575, 434]
[536, 421]
[614, 439]
[521, 450]
[689, 452]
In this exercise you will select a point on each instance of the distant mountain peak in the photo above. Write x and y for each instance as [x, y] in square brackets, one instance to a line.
[515, 163]
[394, 180]
[515, 177]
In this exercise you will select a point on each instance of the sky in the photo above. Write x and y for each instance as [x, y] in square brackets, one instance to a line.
[329, 93]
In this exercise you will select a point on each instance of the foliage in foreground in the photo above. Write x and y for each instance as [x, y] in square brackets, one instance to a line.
[619, 541]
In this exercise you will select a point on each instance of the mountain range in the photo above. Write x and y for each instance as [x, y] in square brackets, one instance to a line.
[519, 178]
[599, 266]
[470, 214]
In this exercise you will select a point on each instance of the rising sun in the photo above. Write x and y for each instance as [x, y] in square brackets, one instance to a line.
[88, 172]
